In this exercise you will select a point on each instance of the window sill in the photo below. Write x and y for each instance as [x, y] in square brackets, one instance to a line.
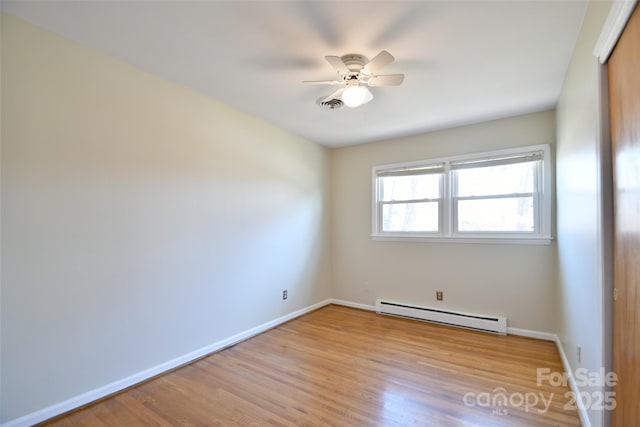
[474, 240]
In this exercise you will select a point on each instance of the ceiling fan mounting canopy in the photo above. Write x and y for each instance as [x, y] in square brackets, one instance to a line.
[356, 73]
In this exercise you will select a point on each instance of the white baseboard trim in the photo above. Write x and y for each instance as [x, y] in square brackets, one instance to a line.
[116, 386]
[547, 336]
[511, 331]
[353, 304]
[582, 410]
[532, 334]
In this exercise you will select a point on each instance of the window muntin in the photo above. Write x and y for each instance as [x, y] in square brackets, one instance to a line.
[498, 195]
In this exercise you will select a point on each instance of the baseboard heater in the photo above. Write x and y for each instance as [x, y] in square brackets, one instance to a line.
[478, 322]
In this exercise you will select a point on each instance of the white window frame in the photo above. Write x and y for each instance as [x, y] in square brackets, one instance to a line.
[448, 209]
[406, 169]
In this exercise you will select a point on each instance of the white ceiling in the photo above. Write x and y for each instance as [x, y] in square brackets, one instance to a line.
[464, 61]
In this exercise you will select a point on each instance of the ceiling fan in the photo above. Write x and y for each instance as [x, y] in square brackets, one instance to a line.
[356, 73]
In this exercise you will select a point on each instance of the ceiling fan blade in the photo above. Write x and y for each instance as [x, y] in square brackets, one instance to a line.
[337, 63]
[369, 96]
[335, 95]
[386, 80]
[378, 61]
[323, 82]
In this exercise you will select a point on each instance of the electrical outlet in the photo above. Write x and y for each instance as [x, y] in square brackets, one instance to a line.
[579, 353]
[285, 294]
[439, 295]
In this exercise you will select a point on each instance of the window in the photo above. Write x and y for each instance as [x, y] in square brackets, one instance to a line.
[502, 196]
[411, 198]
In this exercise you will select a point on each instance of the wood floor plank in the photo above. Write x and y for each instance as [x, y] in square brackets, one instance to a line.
[339, 366]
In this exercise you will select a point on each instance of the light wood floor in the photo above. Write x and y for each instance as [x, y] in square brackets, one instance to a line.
[344, 367]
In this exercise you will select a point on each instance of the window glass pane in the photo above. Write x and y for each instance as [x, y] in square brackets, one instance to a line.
[506, 214]
[412, 187]
[416, 217]
[491, 180]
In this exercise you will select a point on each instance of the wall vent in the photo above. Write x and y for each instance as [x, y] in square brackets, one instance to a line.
[478, 322]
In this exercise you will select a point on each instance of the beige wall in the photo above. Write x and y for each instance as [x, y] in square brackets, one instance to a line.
[516, 281]
[140, 221]
[581, 263]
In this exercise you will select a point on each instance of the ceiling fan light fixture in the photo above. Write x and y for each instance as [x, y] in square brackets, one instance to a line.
[354, 95]
[356, 74]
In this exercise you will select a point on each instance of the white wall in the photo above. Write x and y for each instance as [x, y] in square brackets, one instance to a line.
[517, 281]
[581, 274]
[140, 221]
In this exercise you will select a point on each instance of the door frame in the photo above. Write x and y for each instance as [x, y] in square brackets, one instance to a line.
[615, 24]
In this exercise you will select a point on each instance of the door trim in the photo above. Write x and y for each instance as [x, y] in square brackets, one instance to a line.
[605, 223]
[619, 14]
[612, 29]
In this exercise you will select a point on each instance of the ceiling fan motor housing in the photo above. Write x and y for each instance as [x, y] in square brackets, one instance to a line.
[354, 62]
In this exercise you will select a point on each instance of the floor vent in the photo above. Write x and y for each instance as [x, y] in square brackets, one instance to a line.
[478, 322]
